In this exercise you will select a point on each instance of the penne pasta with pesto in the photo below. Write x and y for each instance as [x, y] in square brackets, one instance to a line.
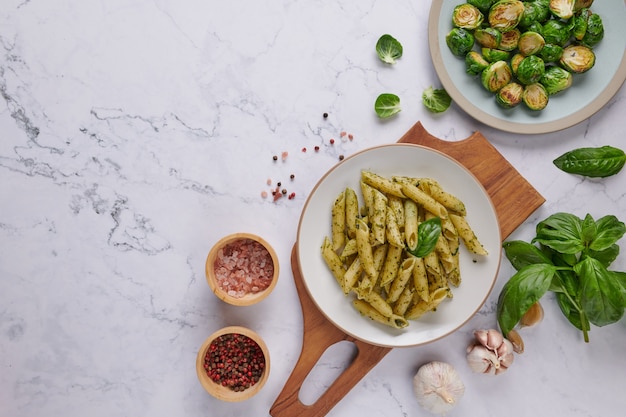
[394, 247]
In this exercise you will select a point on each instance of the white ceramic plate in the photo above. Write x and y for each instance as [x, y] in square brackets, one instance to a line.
[478, 273]
[588, 93]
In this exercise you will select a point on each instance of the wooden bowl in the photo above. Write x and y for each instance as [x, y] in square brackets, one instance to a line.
[248, 298]
[223, 392]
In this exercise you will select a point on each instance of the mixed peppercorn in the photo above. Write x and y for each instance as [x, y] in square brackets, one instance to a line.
[234, 361]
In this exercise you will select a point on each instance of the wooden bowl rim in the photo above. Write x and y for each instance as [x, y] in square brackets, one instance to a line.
[217, 390]
[248, 299]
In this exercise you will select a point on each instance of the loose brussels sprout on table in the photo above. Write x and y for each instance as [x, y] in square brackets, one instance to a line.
[525, 51]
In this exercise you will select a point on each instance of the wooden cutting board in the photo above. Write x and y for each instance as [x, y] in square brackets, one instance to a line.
[514, 200]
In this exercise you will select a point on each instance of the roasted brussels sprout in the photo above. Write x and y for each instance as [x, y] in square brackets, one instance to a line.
[551, 53]
[475, 63]
[595, 31]
[460, 41]
[515, 61]
[493, 55]
[530, 70]
[556, 31]
[563, 9]
[496, 76]
[467, 16]
[482, 5]
[488, 37]
[535, 96]
[579, 24]
[556, 79]
[510, 39]
[577, 58]
[530, 43]
[510, 95]
[582, 4]
[534, 12]
[505, 14]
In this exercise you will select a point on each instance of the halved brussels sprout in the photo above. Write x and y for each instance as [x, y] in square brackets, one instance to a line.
[467, 16]
[556, 31]
[582, 4]
[505, 14]
[563, 9]
[550, 53]
[475, 63]
[515, 61]
[534, 12]
[493, 55]
[488, 37]
[496, 76]
[510, 39]
[577, 58]
[595, 31]
[460, 41]
[579, 24]
[530, 70]
[530, 43]
[556, 79]
[510, 95]
[535, 96]
[482, 5]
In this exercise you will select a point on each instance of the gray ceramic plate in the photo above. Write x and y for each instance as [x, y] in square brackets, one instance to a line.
[588, 94]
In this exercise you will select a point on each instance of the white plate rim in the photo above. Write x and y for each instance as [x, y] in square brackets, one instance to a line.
[391, 339]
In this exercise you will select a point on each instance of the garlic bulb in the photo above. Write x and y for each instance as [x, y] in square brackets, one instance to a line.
[491, 353]
[438, 387]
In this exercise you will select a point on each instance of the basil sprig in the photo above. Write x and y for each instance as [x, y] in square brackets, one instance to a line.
[428, 233]
[592, 162]
[571, 259]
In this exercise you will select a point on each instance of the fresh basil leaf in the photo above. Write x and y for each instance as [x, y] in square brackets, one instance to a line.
[561, 232]
[387, 105]
[592, 162]
[436, 100]
[609, 231]
[589, 230]
[388, 49]
[620, 277]
[606, 256]
[601, 296]
[521, 254]
[428, 234]
[575, 316]
[521, 291]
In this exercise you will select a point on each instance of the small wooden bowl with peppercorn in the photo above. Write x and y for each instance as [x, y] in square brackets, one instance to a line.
[233, 364]
[242, 269]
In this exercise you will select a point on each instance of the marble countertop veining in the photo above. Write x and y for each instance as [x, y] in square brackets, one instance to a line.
[135, 134]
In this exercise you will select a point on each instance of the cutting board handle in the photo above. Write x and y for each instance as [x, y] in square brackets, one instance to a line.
[319, 335]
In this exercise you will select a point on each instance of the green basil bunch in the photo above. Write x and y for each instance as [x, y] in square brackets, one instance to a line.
[571, 259]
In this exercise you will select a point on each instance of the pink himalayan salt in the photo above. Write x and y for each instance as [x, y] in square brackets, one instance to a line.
[243, 267]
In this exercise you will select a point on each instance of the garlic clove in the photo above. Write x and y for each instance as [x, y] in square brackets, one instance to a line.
[532, 316]
[516, 340]
[482, 360]
[490, 338]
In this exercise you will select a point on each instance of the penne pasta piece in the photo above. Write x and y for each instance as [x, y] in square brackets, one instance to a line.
[467, 235]
[338, 225]
[449, 201]
[418, 309]
[367, 310]
[392, 230]
[404, 301]
[367, 283]
[435, 276]
[396, 204]
[349, 249]
[405, 273]
[379, 218]
[382, 184]
[352, 275]
[332, 260]
[445, 255]
[410, 223]
[368, 199]
[391, 265]
[421, 198]
[352, 211]
[364, 248]
[420, 279]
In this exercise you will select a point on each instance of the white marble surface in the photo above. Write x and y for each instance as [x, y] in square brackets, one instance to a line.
[135, 134]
